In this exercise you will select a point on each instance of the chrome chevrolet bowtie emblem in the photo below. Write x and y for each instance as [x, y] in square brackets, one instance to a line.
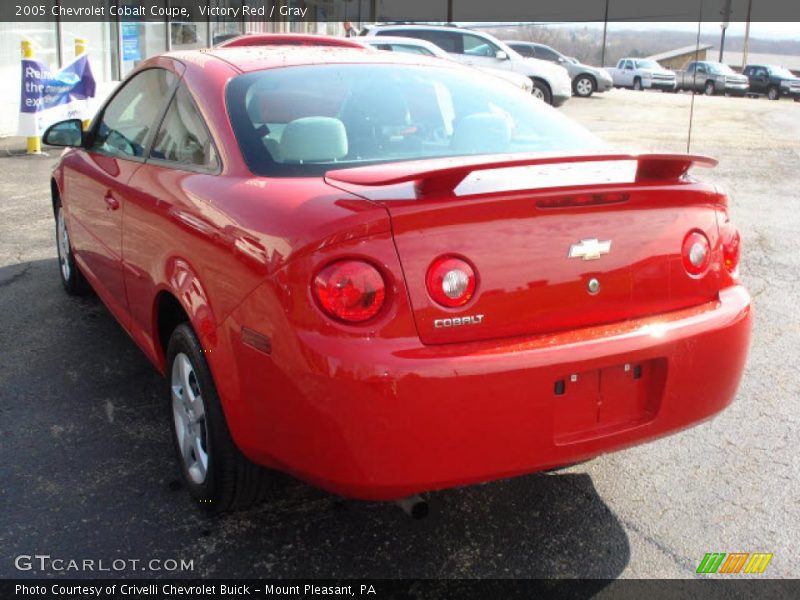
[589, 249]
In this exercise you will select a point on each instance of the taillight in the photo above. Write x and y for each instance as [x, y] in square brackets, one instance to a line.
[696, 253]
[350, 290]
[450, 281]
[731, 248]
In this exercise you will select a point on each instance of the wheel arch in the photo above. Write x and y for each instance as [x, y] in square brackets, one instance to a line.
[535, 79]
[55, 193]
[181, 298]
[581, 75]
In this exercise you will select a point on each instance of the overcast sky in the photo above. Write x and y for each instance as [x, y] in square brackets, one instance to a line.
[757, 29]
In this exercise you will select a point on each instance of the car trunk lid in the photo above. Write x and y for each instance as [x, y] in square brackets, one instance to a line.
[548, 256]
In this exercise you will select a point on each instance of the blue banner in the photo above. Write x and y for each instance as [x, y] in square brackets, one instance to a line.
[48, 96]
[43, 89]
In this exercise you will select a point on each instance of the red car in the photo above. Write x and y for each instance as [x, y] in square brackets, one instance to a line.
[385, 274]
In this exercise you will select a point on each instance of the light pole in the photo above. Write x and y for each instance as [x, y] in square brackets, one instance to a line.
[724, 26]
[726, 17]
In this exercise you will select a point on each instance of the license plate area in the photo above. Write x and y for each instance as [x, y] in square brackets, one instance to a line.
[601, 402]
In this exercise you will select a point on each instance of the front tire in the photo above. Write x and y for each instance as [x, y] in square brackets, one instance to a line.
[709, 89]
[584, 86]
[637, 85]
[219, 477]
[72, 279]
[542, 92]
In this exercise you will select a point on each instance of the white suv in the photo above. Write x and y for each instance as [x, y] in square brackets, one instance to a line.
[551, 82]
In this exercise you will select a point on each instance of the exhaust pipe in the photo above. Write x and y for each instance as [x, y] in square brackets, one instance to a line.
[415, 507]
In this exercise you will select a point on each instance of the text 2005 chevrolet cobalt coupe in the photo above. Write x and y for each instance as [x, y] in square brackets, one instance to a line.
[384, 274]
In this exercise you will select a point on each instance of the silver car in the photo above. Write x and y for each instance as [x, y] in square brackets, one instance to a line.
[586, 80]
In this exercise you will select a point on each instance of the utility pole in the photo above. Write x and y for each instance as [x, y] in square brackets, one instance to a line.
[726, 17]
[746, 35]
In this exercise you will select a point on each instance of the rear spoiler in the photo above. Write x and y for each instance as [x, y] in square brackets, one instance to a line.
[443, 175]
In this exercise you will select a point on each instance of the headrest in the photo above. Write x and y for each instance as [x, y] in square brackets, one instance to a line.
[313, 139]
[481, 133]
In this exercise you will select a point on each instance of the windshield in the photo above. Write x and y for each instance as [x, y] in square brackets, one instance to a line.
[306, 120]
[720, 69]
[782, 72]
[647, 64]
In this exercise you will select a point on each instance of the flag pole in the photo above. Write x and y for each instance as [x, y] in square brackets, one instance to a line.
[80, 48]
[34, 142]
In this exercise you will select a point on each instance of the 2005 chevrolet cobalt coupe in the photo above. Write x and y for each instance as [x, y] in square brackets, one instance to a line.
[385, 274]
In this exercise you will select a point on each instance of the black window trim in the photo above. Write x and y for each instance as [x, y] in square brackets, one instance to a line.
[171, 164]
[148, 141]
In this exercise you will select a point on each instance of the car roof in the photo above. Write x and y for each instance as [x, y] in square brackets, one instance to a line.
[255, 58]
[523, 43]
[426, 27]
[397, 39]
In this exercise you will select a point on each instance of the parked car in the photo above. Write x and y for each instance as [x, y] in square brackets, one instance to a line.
[551, 83]
[772, 81]
[711, 78]
[642, 74]
[586, 80]
[418, 46]
[384, 273]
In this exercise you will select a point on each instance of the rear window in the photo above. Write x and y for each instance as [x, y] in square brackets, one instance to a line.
[304, 121]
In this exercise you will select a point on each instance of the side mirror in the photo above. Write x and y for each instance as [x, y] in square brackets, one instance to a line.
[64, 133]
[500, 55]
[562, 60]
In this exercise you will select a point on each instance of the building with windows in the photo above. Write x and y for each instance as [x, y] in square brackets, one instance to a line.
[116, 47]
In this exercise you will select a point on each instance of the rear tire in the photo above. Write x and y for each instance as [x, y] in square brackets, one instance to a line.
[219, 477]
[541, 91]
[773, 93]
[72, 279]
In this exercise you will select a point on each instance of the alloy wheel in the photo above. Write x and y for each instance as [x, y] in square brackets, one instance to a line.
[188, 412]
[63, 245]
[584, 87]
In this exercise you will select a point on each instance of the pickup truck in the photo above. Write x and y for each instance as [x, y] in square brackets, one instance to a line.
[711, 78]
[772, 81]
[642, 74]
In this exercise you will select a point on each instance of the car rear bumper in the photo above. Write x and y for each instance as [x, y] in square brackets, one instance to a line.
[383, 419]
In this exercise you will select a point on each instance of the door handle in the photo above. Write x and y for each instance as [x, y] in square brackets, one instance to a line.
[111, 202]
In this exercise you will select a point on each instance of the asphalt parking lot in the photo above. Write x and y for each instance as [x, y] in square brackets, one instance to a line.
[87, 469]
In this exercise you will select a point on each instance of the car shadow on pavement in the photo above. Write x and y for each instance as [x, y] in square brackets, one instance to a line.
[93, 476]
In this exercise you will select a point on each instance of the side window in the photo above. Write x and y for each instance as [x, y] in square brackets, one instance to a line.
[761, 72]
[410, 49]
[546, 54]
[627, 65]
[183, 137]
[526, 51]
[478, 46]
[130, 116]
[446, 40]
